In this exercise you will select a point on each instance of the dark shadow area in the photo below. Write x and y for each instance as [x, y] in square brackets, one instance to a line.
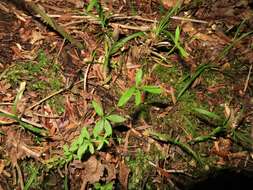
[225, 179]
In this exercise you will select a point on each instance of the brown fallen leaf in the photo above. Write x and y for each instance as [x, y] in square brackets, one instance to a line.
[123, 175]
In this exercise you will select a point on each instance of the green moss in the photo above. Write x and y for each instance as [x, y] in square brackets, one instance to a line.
[141, 169]
[57, 104]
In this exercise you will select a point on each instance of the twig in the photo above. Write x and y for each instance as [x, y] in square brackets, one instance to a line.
[46, 98]
[21, 119]
[85, 78]
[247, 80]
[189, 19]
[138, 28]
[20, 176]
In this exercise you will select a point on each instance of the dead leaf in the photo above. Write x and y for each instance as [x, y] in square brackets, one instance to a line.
[123, 175]
[36, 37]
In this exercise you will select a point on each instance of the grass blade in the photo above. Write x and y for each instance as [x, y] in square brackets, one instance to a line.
[199, 71]
[119, 44]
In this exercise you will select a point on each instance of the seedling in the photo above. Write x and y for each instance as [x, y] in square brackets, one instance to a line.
[80, 146]
[137, 90]
[103, 19]
[104, 122]
[164, 22]
[110, 50]
[86, 142]
[176, 40]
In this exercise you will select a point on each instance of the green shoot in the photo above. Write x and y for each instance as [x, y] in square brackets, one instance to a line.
[183, 146]
[176, 40]
[103, 19]
[137, 90]
[115, 47]
[104, 122]
[198, 72]
[164, 22]
[86, 142]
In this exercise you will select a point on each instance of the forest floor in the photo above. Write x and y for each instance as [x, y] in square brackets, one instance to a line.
[121, 94]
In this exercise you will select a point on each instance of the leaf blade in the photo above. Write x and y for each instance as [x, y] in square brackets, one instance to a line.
[116, 118]
[126, 96]
[98, 108]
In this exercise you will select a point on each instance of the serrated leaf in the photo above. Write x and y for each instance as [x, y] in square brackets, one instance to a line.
[85, 133]
[108, 128]
[137, 97]
[138, 77]
[81, 151]
[115, 118]
[98, 108]
[152, 89]
[98, 128]
[126, 96]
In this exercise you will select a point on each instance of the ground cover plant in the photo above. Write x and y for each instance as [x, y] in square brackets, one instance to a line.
[124, 94]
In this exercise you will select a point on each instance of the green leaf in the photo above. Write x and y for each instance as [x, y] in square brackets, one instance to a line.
[102, 141]
[182, 51]
[115, 118]
[91, 5]
[108, 128]
[152, 89]
[198, 72]
[138, 77]
[126, 96]
[137, 97]
[85, 133]
[91, 148]
[209, 114]
[98, 127]
[82, 150]
[119, 44]
[98, 108]
[74, 146]
[177, 35]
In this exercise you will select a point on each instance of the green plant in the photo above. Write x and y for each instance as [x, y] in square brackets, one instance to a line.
[164, 22]
[176, 40]
[189, 82]
[83, 144]
[137, 90]
[108, 186]
[18, 119]
[31, 181]
[104, 122]
[103, 19]
[86, 142]
[111, 49]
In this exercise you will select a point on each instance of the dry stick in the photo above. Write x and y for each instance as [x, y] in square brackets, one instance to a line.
[46, 98]
[85, 78]
[20, 176]
[247, 80]
[22, 119]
